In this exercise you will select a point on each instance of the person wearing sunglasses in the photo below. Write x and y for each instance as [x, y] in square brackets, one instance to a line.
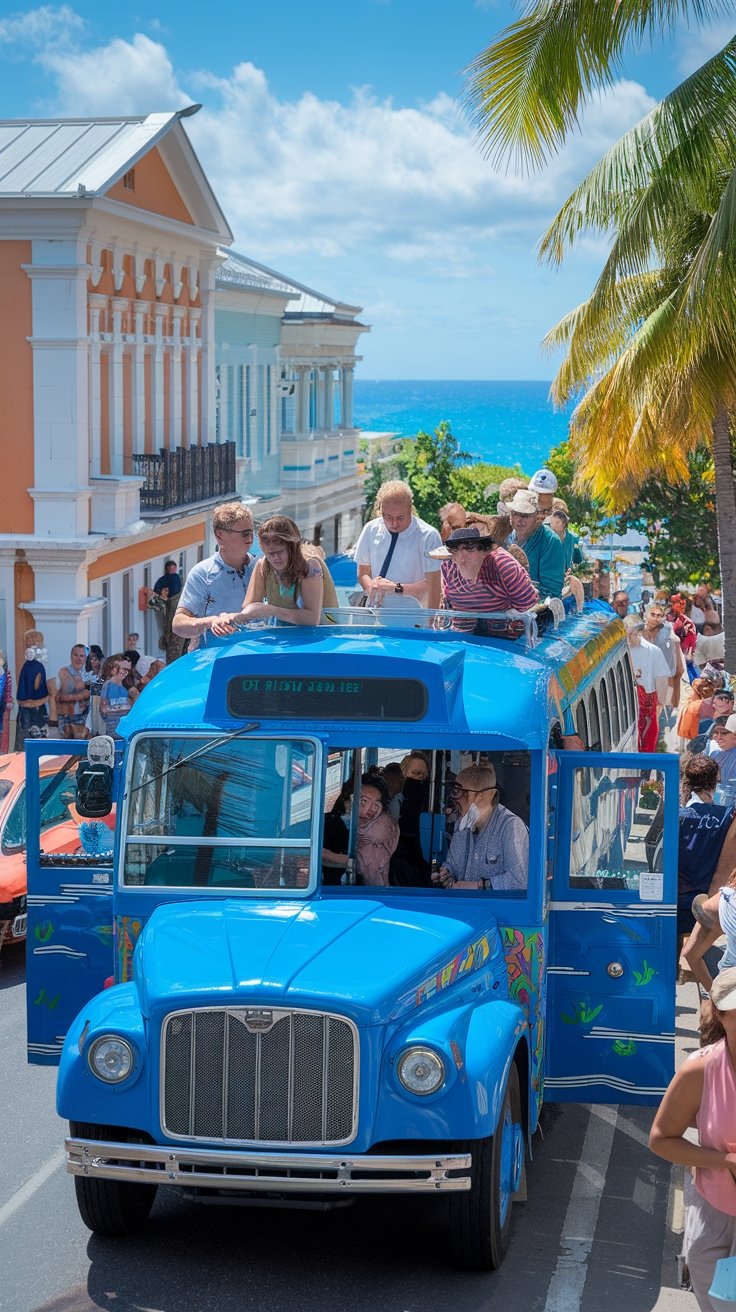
[477, 577]
[490, 846]
[216, 587]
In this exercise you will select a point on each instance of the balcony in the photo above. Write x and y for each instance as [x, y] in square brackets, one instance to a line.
[186, 476]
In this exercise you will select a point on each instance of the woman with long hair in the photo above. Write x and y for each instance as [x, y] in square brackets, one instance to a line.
[703, 1093]
[287, 583]
[378, 832]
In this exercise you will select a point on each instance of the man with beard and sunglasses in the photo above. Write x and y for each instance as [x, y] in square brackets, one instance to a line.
[490, 846]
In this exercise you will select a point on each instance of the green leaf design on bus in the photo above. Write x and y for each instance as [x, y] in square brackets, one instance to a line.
[624, 1047]
[645, 975]
[583, 1014]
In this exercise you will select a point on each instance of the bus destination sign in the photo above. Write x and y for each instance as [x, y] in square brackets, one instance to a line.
[312, 697]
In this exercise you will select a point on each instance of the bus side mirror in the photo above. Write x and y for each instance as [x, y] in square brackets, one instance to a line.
[95, 778]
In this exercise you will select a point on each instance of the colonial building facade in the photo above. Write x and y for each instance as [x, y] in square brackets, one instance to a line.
[146, 374]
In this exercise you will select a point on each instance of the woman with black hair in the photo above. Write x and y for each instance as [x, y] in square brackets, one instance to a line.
[378, 832]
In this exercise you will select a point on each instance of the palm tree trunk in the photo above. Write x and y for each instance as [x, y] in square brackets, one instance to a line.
[726, 521]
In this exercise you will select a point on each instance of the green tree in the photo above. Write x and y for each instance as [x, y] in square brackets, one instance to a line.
[437, 472]
[680, 524]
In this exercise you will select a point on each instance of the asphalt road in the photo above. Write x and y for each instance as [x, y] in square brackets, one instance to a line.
[599, 1229]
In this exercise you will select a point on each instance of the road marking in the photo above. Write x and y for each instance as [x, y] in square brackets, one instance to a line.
[566, 1286]
[36, 1182]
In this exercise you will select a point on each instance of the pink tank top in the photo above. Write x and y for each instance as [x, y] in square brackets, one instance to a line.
[716, 1122]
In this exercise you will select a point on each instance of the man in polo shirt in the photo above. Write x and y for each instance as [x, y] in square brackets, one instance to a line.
[544, 551]
[216, 586]
[393, 551]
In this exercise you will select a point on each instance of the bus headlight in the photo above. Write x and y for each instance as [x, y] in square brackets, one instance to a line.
[421, 1070]
[110, 1059]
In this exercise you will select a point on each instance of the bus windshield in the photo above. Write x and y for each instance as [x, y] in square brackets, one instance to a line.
[237, 816]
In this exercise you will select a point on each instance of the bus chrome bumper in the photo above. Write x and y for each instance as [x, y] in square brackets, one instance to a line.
[203, 1168]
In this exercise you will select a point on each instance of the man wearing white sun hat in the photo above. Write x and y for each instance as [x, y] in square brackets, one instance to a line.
[544, 484]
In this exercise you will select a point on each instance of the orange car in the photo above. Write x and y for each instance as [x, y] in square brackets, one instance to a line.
[59, 829]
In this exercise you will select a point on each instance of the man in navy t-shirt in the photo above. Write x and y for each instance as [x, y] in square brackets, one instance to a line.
[702, 834]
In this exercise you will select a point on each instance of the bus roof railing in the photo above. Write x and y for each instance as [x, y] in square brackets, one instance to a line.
[515, 625]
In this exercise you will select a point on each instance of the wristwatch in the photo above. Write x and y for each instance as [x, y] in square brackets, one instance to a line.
[399, 588]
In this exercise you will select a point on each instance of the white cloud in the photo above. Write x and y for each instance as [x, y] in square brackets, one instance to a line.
[320, 178]
[379, 202]
[122, 77]
[694, 48]
[58, 24]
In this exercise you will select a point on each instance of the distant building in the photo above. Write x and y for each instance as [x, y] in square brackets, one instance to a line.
[146, 374]
[285, 360]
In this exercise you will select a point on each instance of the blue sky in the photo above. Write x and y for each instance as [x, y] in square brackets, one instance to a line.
[332, 136]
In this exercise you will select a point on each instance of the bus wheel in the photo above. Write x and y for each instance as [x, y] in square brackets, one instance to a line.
[110, 1207]
[480, 1219]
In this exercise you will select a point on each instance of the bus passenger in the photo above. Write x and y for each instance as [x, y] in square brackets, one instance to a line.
[216, 585]
[478, 578]
[393, 550]
[286, 583]
[543, 548]
[490, 846]
[452, 516]
[378, 832]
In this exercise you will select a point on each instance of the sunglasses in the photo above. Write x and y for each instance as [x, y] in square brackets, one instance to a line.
[246, 533]
[455, 789]
[465, 546]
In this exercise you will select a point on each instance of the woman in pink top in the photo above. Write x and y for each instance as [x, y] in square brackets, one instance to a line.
[703, 1093]
[477, 578]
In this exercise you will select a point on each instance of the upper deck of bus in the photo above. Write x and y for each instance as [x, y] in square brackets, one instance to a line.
[473, 683]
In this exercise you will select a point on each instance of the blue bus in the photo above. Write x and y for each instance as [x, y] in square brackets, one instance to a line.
[230, 1019]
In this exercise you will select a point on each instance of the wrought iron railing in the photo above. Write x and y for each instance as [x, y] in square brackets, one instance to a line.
[185, 476]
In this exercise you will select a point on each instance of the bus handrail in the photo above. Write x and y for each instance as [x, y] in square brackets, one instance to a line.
[403, 617]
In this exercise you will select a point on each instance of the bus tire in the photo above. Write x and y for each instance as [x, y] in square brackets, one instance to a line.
[480, 1218]
[115, 1208]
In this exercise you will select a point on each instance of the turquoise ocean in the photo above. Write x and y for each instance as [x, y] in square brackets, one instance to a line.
[506, 423]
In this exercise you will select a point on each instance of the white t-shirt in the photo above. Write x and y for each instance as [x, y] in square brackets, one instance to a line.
[411, 559]
[710, 647]
[649, 665]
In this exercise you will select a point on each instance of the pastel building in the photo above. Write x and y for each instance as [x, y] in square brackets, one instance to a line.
[146, 374]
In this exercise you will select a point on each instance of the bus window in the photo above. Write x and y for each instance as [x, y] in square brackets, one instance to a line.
[581, 721]
[631, 690]
[623, 698]
[255, 793]
[595, 733]
[605, 714]
[616, 836]
[424, 807]
[614, 706]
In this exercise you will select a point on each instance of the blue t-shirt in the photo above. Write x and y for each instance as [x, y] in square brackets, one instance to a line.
[546, 556]
[170, 581]
[31, 682]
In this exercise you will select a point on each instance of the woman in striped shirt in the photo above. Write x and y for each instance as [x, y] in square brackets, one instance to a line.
[475, 577]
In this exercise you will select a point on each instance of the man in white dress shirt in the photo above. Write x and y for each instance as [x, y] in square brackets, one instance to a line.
[393, 551]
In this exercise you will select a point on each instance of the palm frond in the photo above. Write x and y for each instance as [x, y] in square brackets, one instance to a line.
[525, 92]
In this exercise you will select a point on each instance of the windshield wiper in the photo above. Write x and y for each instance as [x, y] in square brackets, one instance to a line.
[198, 751]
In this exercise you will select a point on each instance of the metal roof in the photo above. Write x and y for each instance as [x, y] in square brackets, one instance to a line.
[76, 157]
[304, 302]
[237, 271]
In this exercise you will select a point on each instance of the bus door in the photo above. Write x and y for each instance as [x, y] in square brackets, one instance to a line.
[69, 948]
[612, 927]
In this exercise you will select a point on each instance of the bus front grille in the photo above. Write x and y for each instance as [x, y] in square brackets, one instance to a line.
[248, 1075]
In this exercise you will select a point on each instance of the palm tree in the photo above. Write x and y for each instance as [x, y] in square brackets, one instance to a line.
[654, 347]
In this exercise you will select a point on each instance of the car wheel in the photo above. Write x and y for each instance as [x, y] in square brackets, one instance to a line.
[115, 1208]
[480, 1219]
